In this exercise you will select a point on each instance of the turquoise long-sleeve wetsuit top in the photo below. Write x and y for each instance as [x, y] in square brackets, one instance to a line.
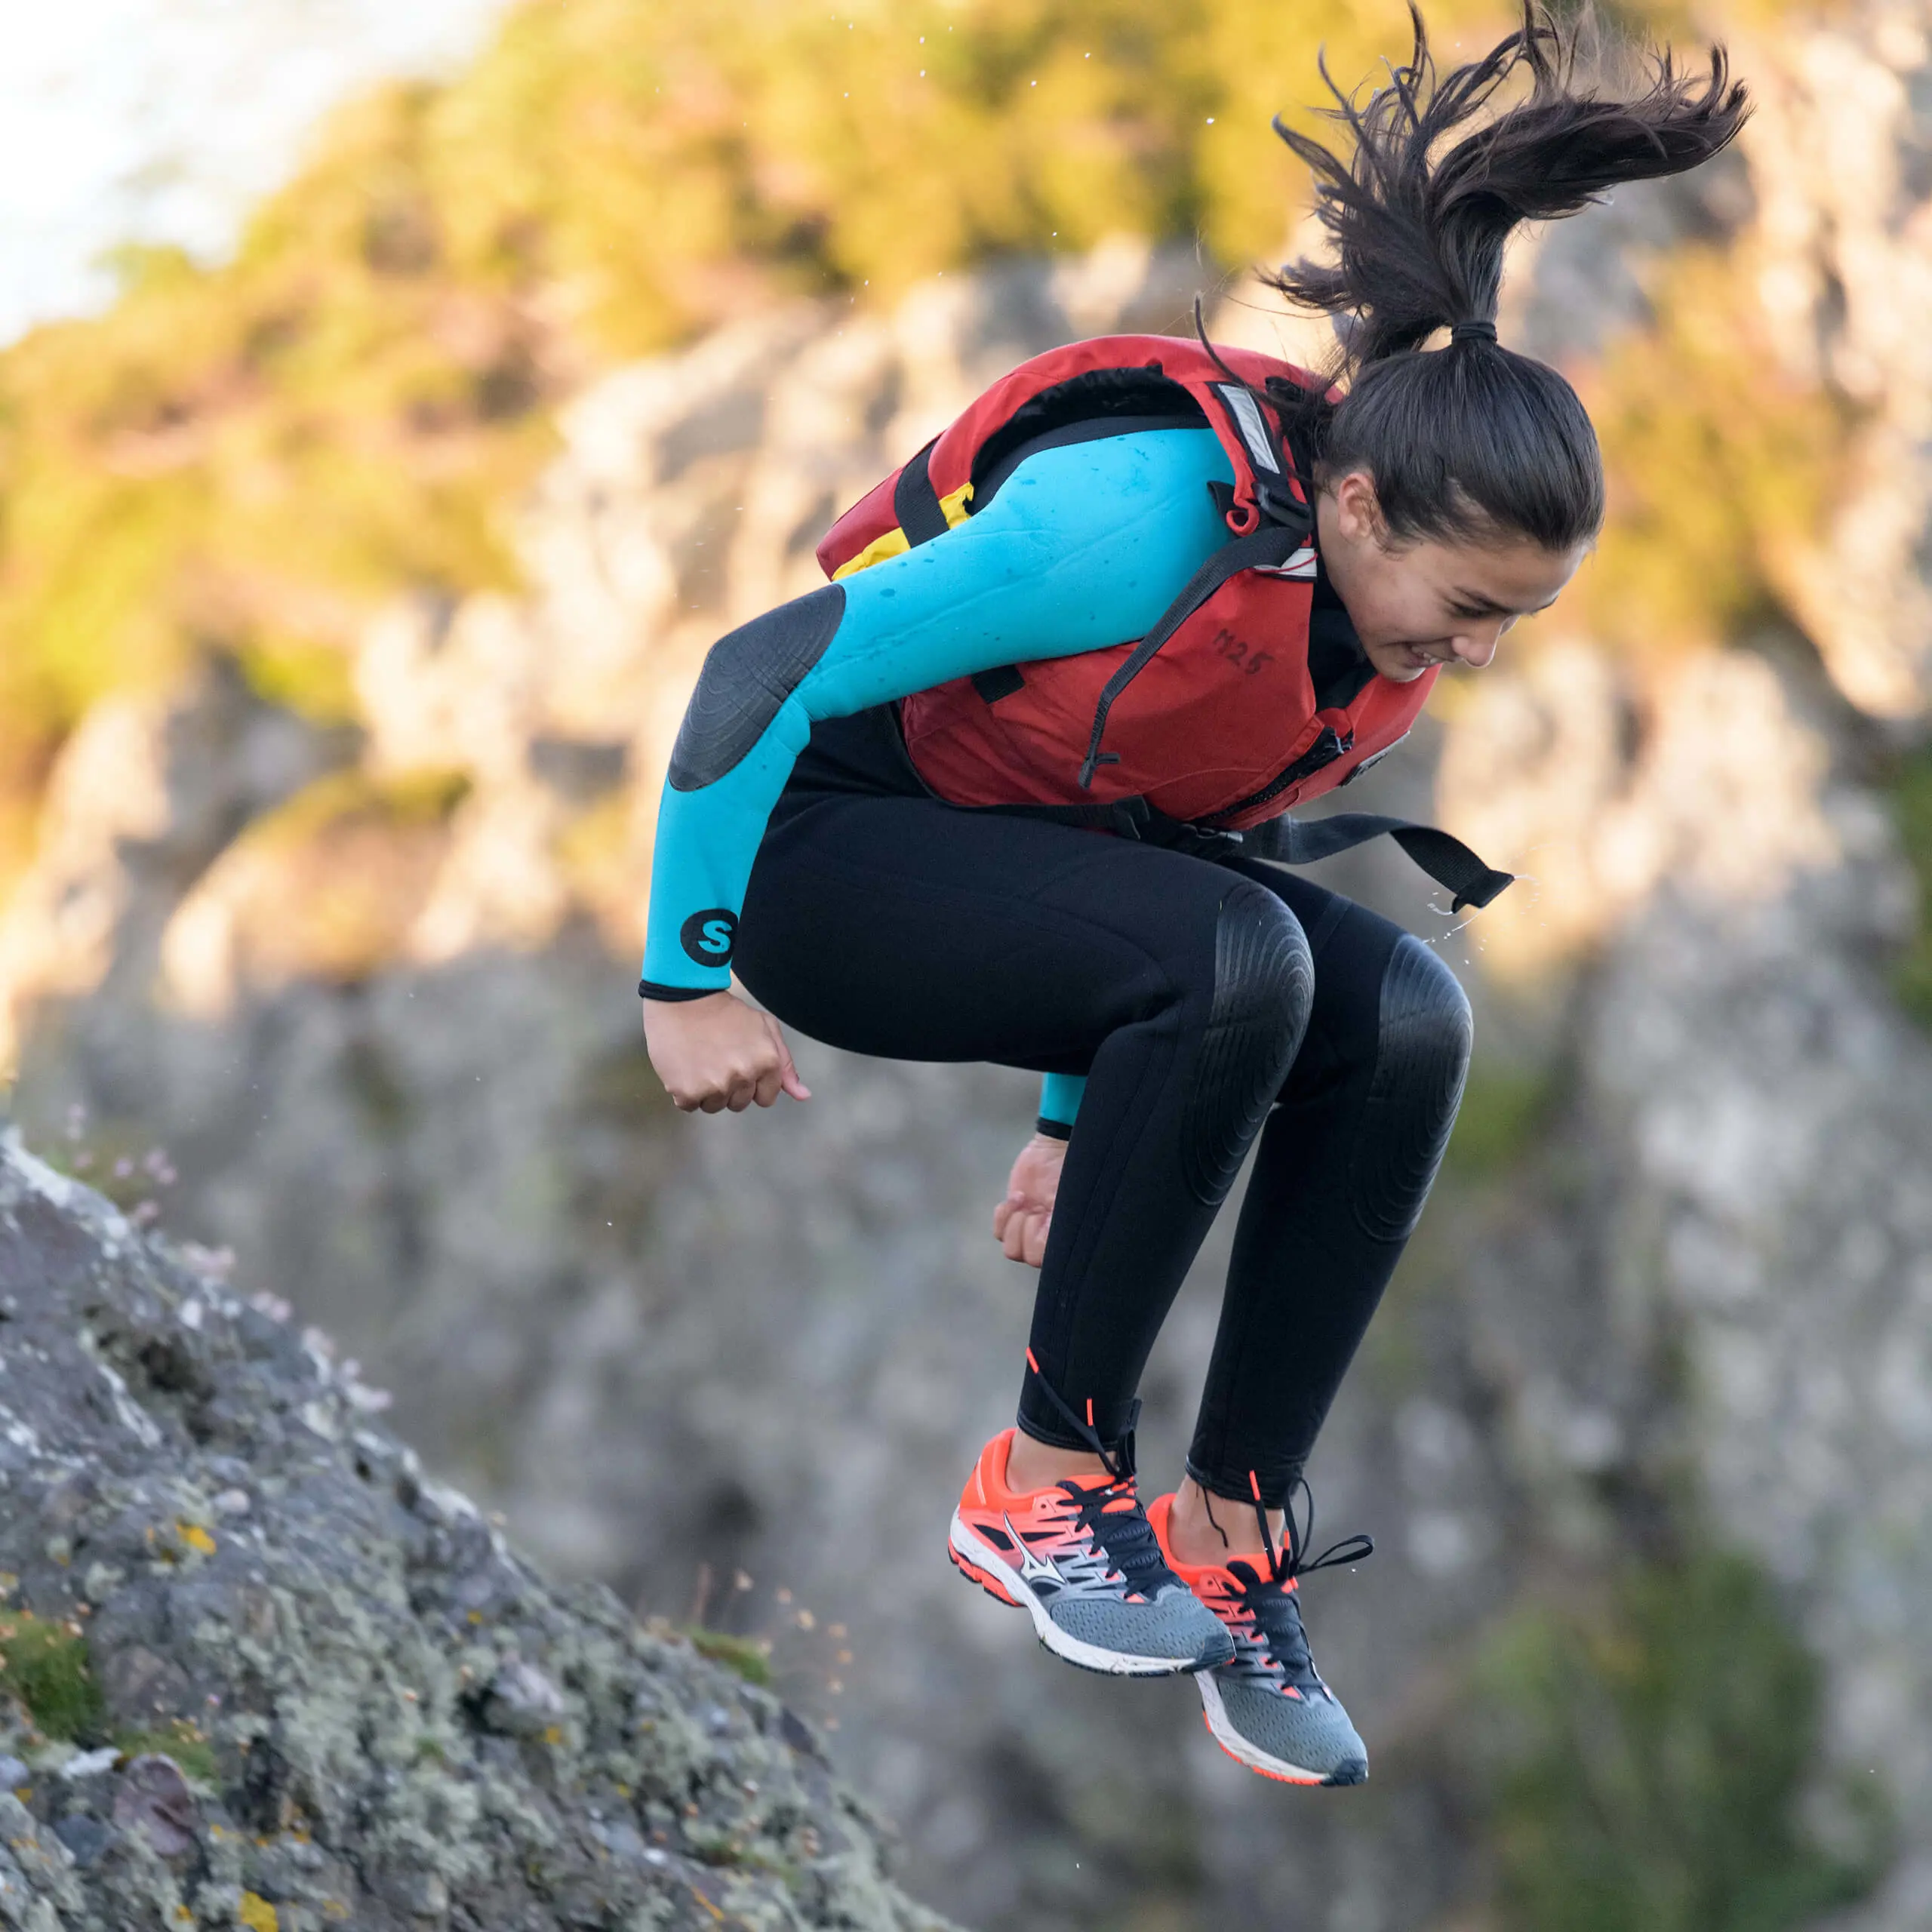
[1082, 547]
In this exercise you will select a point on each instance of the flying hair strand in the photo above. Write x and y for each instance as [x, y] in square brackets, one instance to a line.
[1439, 174]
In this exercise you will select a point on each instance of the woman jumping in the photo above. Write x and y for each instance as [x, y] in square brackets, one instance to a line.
[1009, 789]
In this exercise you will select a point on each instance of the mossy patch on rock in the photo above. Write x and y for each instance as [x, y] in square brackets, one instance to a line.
[45, 1664]
[749, 1656]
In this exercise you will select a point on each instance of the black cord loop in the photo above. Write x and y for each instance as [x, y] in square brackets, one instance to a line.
[1284, 1565]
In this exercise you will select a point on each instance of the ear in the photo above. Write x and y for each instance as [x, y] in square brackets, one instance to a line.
[1358, 510]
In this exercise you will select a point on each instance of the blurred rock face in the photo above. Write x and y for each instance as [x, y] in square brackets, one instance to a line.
[1842, 248]
[374, 999]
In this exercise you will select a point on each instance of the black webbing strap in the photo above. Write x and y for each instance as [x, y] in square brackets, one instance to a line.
[1272, 545]
[915, 502]
[994, 685]
[1285, 841]
[1288, 841]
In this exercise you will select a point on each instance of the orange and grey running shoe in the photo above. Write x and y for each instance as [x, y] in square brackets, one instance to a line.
[1268, 1708]
[1079, 1557]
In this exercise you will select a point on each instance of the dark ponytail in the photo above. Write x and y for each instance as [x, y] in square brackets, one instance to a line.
[1475, 441]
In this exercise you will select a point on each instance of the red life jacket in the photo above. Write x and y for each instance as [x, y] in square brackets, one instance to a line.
[1233, 707]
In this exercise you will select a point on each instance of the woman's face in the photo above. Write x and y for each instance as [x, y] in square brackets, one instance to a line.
[1426, 602]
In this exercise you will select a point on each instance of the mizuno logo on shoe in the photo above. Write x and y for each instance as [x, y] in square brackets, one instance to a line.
[1031, 1565]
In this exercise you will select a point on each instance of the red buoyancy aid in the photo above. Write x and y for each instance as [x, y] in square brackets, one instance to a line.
[1218, 719]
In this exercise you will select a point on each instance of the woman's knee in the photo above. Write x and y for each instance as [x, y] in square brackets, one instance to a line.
[1422, 1059]
[1256, 1015]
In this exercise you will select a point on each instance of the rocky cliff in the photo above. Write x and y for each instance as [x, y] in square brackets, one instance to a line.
[258, 1668]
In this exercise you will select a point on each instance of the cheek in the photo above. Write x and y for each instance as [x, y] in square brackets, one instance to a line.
[1368, 606]
[1400, 613]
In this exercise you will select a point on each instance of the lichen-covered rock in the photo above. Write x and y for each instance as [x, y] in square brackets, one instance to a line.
[262, 1671]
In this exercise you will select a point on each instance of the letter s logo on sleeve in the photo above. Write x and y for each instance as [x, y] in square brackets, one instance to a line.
[708, 937]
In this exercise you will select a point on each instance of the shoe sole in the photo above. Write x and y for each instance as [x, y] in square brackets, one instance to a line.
[1224, 1733]
[975, 1559]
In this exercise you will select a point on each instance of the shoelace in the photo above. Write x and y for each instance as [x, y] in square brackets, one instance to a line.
[1118, 1462]
[1125, 1533]
[1273, 1626]
[1111, 1513]
[1292, 1561]
[1272, 1602]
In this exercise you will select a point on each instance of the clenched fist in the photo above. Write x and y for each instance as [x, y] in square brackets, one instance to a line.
[717, 1052]
[1020, 1221]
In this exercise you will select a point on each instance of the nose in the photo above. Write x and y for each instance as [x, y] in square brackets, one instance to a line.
[1475, 645]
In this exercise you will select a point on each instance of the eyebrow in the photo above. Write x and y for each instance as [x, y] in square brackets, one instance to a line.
[1487, 607]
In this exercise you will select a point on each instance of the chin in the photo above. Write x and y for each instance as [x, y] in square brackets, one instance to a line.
[1395, 664]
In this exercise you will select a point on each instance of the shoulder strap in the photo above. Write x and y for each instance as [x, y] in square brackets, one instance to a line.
[1272, 545]
[915, 502]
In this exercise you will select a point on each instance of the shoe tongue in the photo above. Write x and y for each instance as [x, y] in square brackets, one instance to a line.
[1252, 1571]
[1126, 1499]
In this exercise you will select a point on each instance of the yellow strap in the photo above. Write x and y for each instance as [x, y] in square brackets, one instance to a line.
[894, 541]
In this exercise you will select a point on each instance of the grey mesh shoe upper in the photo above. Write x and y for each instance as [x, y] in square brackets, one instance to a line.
[1267, 1705]
[1272, 1696]
[1105, 1582]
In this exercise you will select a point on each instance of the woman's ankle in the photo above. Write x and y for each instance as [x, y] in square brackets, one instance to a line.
[1031, 1464]
[1203, 1528]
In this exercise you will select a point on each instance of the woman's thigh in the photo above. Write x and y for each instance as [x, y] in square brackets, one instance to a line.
[909, 929]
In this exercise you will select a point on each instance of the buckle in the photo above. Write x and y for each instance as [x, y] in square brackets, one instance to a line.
[1279, 506]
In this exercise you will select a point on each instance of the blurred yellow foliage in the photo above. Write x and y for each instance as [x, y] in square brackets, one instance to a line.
[249, 457]
[1720, 466]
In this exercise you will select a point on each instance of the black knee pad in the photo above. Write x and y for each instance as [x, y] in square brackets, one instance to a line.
[1264, 983]
[1422, 1059]
[748, 674]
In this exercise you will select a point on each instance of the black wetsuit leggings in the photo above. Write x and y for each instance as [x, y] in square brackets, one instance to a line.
[1205, 1001]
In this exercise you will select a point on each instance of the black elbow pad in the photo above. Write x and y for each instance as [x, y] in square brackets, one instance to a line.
[748, 674]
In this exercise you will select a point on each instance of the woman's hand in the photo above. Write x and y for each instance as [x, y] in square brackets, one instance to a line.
[717, 1052]
[1021, 1220]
